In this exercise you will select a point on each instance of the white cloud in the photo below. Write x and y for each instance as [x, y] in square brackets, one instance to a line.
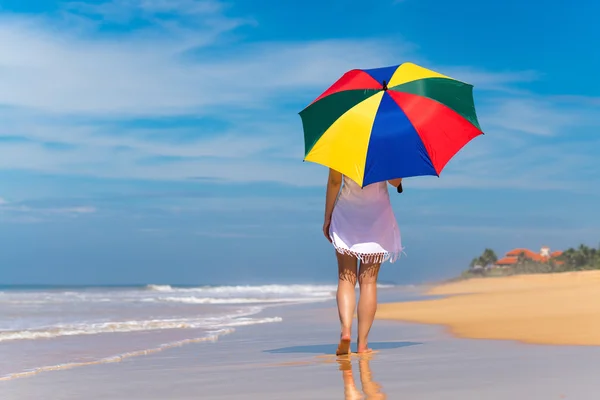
[44, 210]
[26, 214]
[162, 74]
[488, 80]
[168, 71]
[537, 116]
[56, 73]
[519, 150]
[100, 138]
[125, 10]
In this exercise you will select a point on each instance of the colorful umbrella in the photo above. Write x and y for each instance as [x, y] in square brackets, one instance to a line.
[395, 122]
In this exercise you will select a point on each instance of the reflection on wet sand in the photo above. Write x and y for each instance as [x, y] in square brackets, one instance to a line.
[370, 389]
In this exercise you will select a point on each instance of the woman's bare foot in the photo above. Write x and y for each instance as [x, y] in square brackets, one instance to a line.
[344, 346]
[362, 348]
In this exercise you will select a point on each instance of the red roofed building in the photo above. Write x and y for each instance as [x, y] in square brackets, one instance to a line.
[506, 261]
[512, 257]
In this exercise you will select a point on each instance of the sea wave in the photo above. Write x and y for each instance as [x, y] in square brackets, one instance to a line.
[240, 294]
[211, 337]
[78, 329]
[306, 290]
[159, 288]
[258, 291]
[234, 300]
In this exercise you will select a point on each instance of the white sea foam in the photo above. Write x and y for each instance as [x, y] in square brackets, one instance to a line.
[159, 288]
[79, 329]
[234, 300]
[155, 293]
[306, 290]
[250, 294]
[212, 337]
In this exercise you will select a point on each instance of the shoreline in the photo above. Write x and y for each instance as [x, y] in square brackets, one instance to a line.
[546, 309]
[294, 360]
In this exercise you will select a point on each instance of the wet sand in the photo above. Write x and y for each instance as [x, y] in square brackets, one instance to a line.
[557, 309]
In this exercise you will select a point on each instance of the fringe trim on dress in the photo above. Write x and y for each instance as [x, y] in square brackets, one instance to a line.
[371, 258]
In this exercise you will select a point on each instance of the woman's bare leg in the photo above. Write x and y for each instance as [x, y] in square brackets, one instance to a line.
[346, 299]
[367, 303]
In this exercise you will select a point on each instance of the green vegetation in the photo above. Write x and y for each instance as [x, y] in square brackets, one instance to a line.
[574, 259]
[488, 257]
[582, 258]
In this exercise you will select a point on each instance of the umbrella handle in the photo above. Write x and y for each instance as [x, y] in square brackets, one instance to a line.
[399, 188]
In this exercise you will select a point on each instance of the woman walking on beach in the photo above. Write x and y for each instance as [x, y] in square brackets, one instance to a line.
[361, 225]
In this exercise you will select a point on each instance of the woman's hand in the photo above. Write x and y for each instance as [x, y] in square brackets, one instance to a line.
[395, 182]
[326, 226]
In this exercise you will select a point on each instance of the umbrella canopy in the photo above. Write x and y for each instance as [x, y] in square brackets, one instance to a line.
[394, 122]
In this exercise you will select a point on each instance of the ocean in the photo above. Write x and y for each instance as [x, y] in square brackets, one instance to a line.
[50, 328]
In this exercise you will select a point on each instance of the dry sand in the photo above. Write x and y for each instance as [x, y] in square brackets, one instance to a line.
[560, 309]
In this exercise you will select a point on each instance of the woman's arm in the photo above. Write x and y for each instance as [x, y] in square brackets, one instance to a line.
[334, 182]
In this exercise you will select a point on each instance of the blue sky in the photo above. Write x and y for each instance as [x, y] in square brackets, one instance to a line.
[155, 141]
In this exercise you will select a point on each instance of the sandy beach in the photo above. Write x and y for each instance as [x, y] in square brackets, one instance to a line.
[294, 360]
[557, 309]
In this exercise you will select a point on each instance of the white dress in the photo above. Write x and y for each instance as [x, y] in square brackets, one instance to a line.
[363, 223]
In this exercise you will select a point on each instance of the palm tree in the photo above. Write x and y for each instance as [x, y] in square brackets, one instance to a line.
[569, 257]
[488, 257]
